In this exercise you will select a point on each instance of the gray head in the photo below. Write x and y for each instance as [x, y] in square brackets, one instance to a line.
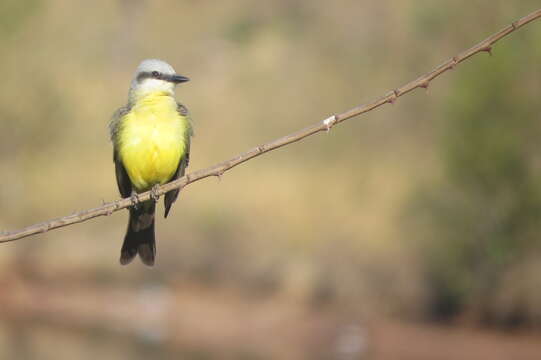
[154, 75]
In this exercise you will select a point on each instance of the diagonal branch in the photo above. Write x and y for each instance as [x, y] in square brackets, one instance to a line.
[325, 125]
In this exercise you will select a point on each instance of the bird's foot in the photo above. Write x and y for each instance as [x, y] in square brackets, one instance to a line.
[135, 200]
[154, 194]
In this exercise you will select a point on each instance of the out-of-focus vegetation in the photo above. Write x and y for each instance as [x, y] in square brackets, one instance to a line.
[425, 209]
[482, 245]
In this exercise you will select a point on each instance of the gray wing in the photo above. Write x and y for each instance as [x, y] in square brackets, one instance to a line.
[114, 124]
[122, 178]
[171, 196]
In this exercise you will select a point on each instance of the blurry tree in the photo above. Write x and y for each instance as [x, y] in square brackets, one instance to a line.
[483, 221]
[14, 14]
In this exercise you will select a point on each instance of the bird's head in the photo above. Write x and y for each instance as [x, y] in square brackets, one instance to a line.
[154, 75]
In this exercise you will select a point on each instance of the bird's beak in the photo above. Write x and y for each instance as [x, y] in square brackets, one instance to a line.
[177, 79]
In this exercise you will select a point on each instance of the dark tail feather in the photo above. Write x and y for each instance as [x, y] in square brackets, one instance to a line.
[139, 237]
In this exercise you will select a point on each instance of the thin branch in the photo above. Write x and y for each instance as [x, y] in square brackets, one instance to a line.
[325, 125]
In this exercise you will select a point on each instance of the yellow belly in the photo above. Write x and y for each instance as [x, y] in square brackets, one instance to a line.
[152, 141]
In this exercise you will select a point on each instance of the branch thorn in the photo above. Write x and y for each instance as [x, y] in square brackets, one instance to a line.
[454, 63]
[393, 98]
[487, 49]
[219, 175]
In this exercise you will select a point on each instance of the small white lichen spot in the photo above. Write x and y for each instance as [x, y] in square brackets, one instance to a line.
[329, 122]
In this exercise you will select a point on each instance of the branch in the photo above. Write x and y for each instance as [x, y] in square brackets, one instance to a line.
[325, 125]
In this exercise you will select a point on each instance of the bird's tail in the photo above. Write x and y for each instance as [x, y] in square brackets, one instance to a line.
[139, 237]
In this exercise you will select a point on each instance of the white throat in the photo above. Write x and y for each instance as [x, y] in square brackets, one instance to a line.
[149, 86]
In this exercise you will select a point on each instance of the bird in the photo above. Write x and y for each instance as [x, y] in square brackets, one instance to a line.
[151, 146]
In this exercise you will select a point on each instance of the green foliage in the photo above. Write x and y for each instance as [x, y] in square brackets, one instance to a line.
[242, 30]
[13, 14]
[484, 218]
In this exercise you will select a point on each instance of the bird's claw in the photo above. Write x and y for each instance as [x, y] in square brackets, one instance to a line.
[154, 192]
[135, 200]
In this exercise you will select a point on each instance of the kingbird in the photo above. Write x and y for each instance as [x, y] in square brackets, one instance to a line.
[151, 146]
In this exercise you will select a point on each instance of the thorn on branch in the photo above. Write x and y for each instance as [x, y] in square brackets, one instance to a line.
[487, 49]
[112, 209]
[454, 63]
[394, 96]
[219, 174]
[514, 25]
[425, 84]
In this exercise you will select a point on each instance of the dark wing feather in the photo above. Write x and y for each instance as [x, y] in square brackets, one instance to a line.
[122, 178]
[171, 196]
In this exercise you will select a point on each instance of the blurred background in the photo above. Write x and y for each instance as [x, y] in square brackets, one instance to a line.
[412, 232]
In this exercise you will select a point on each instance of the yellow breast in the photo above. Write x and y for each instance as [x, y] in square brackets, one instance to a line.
[152, 141]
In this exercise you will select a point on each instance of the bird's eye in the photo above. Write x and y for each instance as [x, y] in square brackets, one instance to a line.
[155, 74]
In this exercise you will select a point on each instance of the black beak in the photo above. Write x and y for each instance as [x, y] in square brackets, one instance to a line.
[177, 79]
